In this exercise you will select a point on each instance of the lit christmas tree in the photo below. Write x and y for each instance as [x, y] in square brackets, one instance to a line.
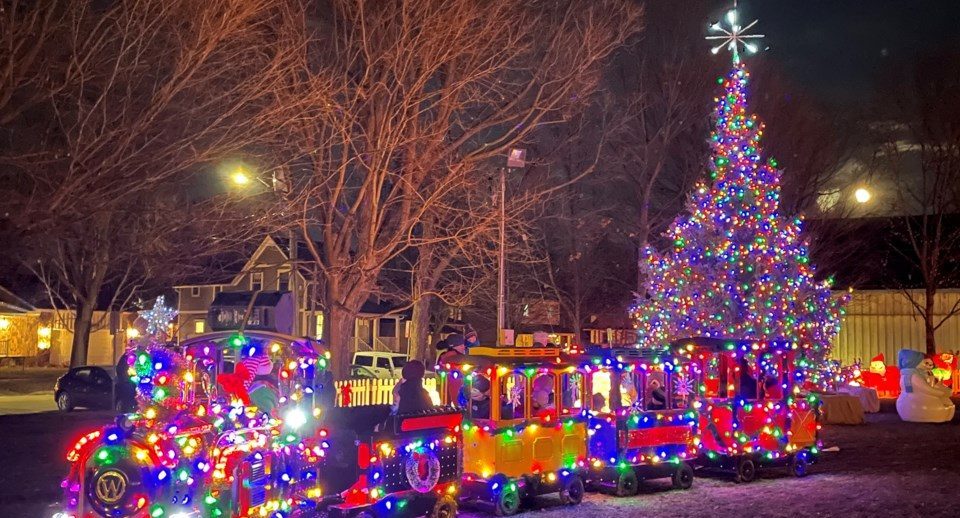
[737, 268]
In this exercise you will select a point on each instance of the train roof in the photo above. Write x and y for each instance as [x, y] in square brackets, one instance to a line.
[716, 344]
[508, 356]
[301, 345]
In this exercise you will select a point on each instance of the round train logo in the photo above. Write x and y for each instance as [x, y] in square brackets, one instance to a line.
[110, 487]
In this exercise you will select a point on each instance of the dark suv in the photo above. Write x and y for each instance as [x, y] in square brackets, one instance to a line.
[87, 386]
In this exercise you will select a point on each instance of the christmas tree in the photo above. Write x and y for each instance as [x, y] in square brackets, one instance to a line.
[737, 267]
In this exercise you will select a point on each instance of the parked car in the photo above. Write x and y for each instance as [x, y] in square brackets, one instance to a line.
[376, 364]
[88, 386]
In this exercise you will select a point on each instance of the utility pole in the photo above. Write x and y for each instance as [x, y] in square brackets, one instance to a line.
[501, 261]
[515, 160]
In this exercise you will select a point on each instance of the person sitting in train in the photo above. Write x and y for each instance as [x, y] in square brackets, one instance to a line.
[409, 395]
[658, 396]
[542, 395]
[748, 383]
[480, 398]
[598, 402]
[772, 388]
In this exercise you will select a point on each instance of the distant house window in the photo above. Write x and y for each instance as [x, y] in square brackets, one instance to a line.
[388, 328]
[199, 326]
[256, 281]
[283, 281]
[194, 291]
[526, 310]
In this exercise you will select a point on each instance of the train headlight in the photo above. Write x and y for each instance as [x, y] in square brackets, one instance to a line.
[295, 418]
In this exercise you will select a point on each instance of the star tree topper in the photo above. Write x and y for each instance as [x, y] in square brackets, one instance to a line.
[735, 35]
[159, 318]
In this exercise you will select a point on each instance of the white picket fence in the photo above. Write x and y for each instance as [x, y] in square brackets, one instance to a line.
[366, 391]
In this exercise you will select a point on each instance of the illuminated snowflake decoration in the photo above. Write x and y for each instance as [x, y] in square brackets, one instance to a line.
[159, 318]
[734, 36]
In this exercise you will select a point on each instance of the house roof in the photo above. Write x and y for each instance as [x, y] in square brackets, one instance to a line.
[11, 303]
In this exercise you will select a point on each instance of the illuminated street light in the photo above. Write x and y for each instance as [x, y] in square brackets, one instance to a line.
[862, 195]
[240, 177]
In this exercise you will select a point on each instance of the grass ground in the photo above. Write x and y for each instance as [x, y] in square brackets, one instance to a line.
[29, 380]
[884, 468]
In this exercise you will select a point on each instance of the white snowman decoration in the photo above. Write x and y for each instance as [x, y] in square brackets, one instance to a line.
[921, 401]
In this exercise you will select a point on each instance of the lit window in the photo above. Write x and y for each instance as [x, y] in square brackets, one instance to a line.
[319, 327]
[199, 326]
[256, 281]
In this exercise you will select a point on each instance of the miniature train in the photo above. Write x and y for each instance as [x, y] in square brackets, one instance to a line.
[243, 424]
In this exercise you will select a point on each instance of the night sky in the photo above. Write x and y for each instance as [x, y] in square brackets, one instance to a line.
[838, 49]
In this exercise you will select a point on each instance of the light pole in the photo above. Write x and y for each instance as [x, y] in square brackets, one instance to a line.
[515, 160]
[241, 177]
[862, 195]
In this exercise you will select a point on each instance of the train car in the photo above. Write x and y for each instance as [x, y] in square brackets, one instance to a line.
[392, 465]
[524, 433]
[643, 421]
[752, 409]
[222, 429]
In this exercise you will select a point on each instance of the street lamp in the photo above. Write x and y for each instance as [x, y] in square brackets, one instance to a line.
[515, 160]
[862, 195]
[240, 177]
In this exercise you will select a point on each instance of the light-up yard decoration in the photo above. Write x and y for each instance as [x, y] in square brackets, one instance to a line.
[194, 448]
[643, 417]
[751, 408]
[524, 432]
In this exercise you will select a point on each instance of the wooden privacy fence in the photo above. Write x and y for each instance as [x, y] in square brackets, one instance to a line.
[366, 391]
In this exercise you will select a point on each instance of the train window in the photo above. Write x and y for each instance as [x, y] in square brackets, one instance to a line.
[712, 379]
[684, 388]
[655, 393]
[600, 386]
[772, 381]
[747, 380]
[479, 400]
[629, 394]
[542, 395]
[513, 389]
[571, 392]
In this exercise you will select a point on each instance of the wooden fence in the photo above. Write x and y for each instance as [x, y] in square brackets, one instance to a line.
[366, 391]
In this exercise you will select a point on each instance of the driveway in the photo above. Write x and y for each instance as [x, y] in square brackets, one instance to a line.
[27, 403]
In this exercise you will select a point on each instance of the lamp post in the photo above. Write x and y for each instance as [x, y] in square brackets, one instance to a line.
[862, 195]
[515, 160]
[241, 177]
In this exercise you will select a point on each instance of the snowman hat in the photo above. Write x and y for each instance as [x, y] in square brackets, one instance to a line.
[878, 358]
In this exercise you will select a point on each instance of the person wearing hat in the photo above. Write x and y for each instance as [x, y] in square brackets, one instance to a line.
[409, 394]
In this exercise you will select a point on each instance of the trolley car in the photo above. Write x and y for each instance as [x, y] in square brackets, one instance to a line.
[520, 439]
[643, 424]
[752, 411]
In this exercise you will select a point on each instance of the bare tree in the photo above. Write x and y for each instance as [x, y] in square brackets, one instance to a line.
[922, 147]
[137, 97]
[26, 33]
[401, 101]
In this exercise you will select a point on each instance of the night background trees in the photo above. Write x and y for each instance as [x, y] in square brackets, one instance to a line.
[377, 130]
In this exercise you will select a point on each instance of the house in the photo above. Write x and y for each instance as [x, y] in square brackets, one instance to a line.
[44, 336]
[269, 270]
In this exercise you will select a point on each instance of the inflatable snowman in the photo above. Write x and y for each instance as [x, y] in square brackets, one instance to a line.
[920, 400]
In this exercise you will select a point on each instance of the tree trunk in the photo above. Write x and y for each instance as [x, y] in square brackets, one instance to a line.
[340, 331]
[419, 328]
[82, 322]
[928, 320]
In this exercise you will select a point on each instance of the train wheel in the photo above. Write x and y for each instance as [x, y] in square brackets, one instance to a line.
[683, 476]
[627, 483]
[798, 466]
[508, 501]
[446, 507]
[746, 471]
[572, 491]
